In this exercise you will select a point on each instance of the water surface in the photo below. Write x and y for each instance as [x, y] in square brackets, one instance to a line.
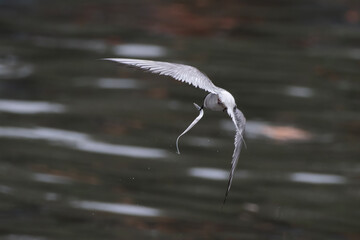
[87, 147]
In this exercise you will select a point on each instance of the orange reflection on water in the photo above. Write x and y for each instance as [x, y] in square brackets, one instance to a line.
[286, 133]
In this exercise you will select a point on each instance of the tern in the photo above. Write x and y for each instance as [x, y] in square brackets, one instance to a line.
[218, 99]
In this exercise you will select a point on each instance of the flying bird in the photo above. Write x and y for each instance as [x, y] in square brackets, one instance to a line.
[218, 99]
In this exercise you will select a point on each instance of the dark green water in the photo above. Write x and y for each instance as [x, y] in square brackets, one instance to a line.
[87, 147]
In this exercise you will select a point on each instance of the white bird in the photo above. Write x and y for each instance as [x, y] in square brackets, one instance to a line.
[218, 99]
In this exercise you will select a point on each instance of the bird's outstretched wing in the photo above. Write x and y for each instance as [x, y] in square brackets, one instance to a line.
[197, 119]
[239, 120]
[180, 72]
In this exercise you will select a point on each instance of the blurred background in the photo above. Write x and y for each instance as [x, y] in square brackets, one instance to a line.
[87, 147]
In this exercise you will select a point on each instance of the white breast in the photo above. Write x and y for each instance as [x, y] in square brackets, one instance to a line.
[212, 102]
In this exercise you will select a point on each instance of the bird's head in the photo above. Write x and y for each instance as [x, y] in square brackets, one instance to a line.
[227, 99]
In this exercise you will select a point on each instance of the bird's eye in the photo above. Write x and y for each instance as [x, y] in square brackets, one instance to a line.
[235, 108]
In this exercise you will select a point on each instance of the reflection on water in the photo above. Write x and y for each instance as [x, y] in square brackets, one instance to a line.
[80, 141]
[49, 178]
[215, 174]
[209, 173]
[118, 208]
[139, 50]
[317, 178]
[11, 68]
[122, 150]
[297, 91]
[117, 83]
[251, 207]
[303, 177]
[50, 196]
[30, 107]
[70, 43]
[260, 129]
[55, 135]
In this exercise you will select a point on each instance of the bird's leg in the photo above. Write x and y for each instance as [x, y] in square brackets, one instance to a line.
[197, 119]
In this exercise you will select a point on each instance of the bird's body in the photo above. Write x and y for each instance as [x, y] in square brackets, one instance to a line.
[213, 102]
[218, 99]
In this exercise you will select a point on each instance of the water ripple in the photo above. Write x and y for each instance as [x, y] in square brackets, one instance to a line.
[30, 107]
[317, 178]
[140, 50]
[214, 173]
[119, 208]
[81, 141]
[260, 129]
[50, 178]
[117, 83]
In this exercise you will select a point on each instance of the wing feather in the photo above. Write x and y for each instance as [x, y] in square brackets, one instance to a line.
[180, 72]
[197, 119]
[239, 120]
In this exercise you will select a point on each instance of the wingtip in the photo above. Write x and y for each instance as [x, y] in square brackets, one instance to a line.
[177, 145]
[228, 187]
[107, 59]
[225, 198]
